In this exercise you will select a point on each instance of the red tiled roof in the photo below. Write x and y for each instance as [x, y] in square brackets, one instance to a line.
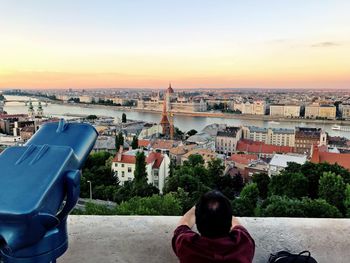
[125, 159]
[320, 156]
[143, 143]
[153, 157]
[243, 158]
[260, 147]
[163, 144]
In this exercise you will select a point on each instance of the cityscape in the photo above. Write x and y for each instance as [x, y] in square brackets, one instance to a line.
[173, 101]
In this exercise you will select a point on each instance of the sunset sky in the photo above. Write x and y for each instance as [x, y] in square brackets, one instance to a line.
[192, 43]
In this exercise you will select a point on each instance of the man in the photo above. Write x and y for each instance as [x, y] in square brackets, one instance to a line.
[221, 239]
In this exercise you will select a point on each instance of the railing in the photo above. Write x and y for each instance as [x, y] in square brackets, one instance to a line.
[144, 239]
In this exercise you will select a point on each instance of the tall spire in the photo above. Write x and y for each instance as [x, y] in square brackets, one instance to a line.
[164, 122]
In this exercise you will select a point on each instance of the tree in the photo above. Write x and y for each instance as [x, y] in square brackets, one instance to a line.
[178, 133]
[91, 117]
[282, 206]
[262, 180]
[135, 142]
[191, 132]
[119, 141]
[123, 118]
[140, 173]
[215, 170]
[194, 160]
[251, 193]
[140, 186]
[153, 205]
[332, 189]
[246, 203]
[347, 201]
[293, 185]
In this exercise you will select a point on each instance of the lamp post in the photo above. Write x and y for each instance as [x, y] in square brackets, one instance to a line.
[90, 189]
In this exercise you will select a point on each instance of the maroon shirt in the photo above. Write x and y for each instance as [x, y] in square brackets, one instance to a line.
[189, 246]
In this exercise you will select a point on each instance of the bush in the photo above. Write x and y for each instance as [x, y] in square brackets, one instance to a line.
[282, 206]
[154, 205]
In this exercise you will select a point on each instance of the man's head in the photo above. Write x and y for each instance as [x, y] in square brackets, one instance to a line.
[213, 215]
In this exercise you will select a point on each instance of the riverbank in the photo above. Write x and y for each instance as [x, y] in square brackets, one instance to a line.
[214, 114]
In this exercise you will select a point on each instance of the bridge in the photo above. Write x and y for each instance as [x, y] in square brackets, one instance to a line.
[26, 102]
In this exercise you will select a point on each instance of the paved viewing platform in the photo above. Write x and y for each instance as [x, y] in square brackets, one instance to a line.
[105, 239]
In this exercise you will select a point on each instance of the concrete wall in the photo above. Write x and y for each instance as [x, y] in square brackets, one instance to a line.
[104, 239]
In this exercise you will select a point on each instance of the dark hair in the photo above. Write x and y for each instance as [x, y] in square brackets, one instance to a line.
[213, 215]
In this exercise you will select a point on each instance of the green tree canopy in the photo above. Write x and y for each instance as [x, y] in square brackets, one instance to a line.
[262, 180]
[119, 141]
[192, 132]
[246, 203]
[282, 206]
[194, 160]
[347, 200]
[123, 118]
[135, 142]
[289, 184]
[153, 205]
[332, 189]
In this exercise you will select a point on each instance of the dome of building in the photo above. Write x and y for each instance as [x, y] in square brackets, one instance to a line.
[170, 89]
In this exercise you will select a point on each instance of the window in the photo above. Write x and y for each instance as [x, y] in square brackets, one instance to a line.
[129, 169]
[122, 165]
[123, 173]
[115, 164]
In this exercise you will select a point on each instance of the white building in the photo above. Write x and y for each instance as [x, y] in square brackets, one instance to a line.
[282, 110]
[259, 107]
[226, 140]
[291, 111]
[345, 111]
[280, 162]
[157, 167]
[274, 136]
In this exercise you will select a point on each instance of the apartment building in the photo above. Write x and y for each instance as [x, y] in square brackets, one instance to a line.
[345, 111]
[327, 112]
[274, 136]
[320, 111]
[157, 167]
[291, 111]
[305, 138]
[226, 140]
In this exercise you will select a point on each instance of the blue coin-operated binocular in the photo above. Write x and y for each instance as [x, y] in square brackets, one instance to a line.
[39, 186]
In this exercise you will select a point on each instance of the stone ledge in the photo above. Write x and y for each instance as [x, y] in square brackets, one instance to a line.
[105, 239]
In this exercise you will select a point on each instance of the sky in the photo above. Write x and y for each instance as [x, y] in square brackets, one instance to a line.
[190, 43]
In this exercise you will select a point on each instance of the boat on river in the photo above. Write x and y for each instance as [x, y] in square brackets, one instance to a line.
[340, 128]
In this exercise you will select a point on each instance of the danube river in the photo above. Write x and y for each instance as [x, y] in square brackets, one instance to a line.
[184, 123]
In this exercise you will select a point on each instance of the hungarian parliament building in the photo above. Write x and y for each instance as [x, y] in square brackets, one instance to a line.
[174, 103]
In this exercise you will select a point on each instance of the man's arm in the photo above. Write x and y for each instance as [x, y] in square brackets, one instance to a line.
[188, 219]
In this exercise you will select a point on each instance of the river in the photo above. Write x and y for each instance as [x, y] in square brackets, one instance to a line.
[184, 123]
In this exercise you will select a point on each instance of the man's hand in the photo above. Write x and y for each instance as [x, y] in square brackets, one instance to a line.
[235, 222]
[188, 219]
